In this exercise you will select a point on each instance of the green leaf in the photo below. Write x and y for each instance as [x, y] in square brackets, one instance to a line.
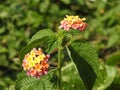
[41, 34]
[3, 49]
[111, 73]
[38, 39]
[81, 2]
[113, 59]
[86, 61]
[51, 44]
[25, 82]
[112, 40]
[55, 41]
[70, 78]
[66, 1]
[44, 6]
[34, 18]
[2, 30]
[54, 9]
[11, 87]
[105, 77]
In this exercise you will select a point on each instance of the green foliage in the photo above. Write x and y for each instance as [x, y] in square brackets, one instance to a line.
[70, 78]
[113, 59]
[66, 1]
[37, 40]
[86, 61]
[41, 34]
[83, 61]
[31, 83]
[105, 77]
[112, 40]
[21, 19]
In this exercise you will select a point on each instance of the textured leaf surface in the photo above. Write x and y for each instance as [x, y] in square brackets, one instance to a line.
[50, 44]
[41, 34]
[86, 61]
[31, 83]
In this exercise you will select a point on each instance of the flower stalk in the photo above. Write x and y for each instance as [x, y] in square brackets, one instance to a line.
[59, 69]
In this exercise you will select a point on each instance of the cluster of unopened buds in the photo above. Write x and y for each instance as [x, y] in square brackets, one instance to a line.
[73, 22]
[36, 63]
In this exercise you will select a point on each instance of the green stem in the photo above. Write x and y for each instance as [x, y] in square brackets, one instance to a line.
[59, 68]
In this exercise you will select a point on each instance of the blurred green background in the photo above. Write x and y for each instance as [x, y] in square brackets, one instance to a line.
[20, 19]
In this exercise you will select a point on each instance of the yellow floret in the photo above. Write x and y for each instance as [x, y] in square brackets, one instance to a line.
[37, 60]
[32, 53]
[30, 58]
[41, 57]
[83, 19]
[31, 64]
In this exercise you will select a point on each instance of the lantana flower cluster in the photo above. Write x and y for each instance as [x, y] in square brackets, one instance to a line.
[36, 63]
[73, 22]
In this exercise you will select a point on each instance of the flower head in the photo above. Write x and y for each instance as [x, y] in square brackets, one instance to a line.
[36, 63]
[73, 22]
